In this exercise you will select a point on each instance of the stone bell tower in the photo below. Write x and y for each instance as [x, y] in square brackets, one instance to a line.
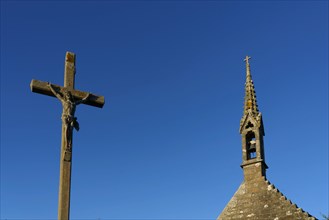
[252, 132]
[257, 198]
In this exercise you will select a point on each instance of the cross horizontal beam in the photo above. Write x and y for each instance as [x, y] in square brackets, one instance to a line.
[42, 88]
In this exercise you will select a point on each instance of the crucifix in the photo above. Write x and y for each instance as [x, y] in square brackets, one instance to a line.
[69, 98]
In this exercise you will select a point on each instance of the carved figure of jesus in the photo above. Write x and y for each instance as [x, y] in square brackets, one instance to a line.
[69, 107]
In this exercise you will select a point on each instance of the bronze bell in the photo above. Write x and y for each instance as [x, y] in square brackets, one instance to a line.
[252, 145]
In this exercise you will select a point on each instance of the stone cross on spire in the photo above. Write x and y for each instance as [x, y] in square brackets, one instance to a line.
[247, 65]
[247, 59]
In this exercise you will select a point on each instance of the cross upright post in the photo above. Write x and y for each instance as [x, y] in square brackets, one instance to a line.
[69, 98]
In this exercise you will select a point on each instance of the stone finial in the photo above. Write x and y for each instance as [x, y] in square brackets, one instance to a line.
[250, 101]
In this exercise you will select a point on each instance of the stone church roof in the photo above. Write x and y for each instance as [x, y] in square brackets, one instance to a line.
[261, 200]
[257, 198]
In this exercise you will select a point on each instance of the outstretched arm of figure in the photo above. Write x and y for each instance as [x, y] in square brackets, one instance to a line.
[83, 100]
[55, 92]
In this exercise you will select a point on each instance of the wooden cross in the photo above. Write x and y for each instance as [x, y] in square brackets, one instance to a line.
[69, 98]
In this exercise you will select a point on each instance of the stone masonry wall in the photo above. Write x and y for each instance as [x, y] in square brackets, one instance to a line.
[258, 199]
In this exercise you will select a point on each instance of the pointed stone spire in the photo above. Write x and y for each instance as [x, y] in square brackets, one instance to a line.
[252, 132]
[250, 101]
[256, 197]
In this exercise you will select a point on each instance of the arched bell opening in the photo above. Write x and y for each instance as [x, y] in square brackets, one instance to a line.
[251, 145]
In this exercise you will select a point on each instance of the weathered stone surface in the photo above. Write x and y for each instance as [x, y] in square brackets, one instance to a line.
[70, 98]
[256, 198]
[41, 87]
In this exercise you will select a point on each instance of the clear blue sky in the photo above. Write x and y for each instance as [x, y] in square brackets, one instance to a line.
[166, 144]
